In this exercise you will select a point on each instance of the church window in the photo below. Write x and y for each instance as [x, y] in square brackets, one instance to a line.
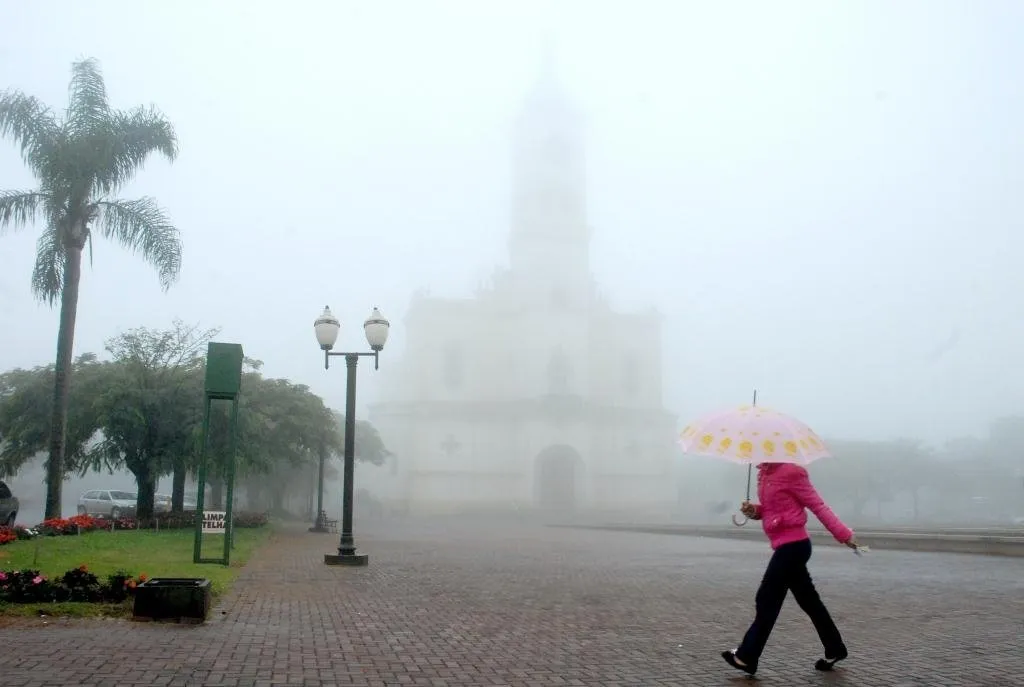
[453, 368]
[630, 375]
[559, 373]
[557, 150]
[450, 446]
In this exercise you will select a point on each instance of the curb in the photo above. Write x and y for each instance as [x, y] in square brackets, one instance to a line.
[975, 542]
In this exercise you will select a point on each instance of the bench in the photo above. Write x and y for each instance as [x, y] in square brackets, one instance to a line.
[325, 523]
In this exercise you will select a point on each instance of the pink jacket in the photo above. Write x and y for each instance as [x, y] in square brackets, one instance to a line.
[785, 491]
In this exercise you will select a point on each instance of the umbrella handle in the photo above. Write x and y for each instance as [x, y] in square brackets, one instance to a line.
[739, 523]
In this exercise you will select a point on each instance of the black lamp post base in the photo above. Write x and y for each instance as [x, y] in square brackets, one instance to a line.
[353, 560]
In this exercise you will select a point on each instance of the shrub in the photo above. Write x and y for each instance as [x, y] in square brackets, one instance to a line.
[55, 527]
[29, 586]
[24, 532]
[78, 524]
[82, 585]
[250, 519]
[187, 520]
[10, 534]
[25, 586]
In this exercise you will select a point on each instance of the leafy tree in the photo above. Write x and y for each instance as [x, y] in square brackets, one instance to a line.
[26, 399]
[281, 426]
[81, 160]
[143, 411]
[151, 404]
[369, 446]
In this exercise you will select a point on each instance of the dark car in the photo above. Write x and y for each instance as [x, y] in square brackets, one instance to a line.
[8, 506]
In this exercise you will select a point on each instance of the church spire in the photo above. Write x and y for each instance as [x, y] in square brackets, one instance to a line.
[548, 98]
[549, 238]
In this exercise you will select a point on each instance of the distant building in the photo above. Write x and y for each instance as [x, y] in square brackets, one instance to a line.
[533, 394]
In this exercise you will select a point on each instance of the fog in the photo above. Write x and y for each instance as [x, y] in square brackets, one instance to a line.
[587, 224]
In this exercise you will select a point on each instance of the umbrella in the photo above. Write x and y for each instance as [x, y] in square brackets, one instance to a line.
[752, 434]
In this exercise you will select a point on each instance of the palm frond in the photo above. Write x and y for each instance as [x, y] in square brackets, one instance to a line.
[32, 126]
[18, 208]
[142, 227]
[88, 109]
[133, 136]
[48, 273]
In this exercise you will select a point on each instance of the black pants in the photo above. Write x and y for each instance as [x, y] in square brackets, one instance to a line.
[787, 571]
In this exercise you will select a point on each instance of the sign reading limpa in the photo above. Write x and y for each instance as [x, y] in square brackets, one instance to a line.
[214, 522]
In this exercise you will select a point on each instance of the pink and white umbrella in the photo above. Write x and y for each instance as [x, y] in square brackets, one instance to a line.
[752, 434]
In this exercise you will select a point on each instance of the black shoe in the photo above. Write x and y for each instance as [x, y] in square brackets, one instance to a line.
[730, 658]
[826, 664]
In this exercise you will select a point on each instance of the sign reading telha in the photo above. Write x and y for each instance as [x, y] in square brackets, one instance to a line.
[214, 522]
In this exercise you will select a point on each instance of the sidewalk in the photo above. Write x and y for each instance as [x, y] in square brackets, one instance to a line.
[448, 603]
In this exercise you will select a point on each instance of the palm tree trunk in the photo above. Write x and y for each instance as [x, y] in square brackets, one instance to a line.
[178, 487]
[62, 380]
[146, 483]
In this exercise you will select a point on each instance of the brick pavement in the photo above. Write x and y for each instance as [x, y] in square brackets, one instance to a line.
[453, 603]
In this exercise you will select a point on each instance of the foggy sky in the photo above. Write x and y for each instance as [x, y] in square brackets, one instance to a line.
[822, 199]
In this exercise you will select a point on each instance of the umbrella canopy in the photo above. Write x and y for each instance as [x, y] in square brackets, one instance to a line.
[753, 434]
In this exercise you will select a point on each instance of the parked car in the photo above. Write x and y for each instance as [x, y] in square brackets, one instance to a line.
[108, 503]
[162, 504]
[8, 506]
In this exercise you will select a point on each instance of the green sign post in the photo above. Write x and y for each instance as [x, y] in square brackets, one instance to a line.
[223, 383]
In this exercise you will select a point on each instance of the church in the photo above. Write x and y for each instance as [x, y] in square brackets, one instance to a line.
[534, 394]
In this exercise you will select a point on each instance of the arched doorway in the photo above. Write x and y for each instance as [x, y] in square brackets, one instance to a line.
[556, 478]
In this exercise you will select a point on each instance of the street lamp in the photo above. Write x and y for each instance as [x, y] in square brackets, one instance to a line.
[327, 328]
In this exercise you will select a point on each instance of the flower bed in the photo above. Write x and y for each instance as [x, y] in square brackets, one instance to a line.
[78, 584]
[80, 524]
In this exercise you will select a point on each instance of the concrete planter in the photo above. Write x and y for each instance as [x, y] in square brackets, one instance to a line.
[181, 599]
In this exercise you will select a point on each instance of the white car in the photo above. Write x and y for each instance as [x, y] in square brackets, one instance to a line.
[108, 503]
[162, 503]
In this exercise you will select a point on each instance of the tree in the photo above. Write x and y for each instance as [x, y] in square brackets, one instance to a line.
[26, 400]
[283, 427]
[369, 446]
[151, 405]
[81, 161]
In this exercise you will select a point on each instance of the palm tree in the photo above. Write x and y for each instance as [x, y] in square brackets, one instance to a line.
[80, 161]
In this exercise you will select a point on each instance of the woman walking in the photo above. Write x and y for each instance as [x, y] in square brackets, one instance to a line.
[785, 491]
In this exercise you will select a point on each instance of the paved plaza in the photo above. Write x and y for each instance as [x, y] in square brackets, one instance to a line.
[481, 603]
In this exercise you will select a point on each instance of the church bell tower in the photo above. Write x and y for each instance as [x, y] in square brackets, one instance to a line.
[549, 241]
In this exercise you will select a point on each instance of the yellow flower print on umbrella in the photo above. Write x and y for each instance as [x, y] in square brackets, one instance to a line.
[791, 440]
[776, 438]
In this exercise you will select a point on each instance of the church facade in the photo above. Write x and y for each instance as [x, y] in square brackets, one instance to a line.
[534, 394]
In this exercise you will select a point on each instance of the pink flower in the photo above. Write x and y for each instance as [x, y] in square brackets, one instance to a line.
[3, 576]
[38, 579]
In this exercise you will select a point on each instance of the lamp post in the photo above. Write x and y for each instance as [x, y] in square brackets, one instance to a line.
[320, 522]
[327, 328]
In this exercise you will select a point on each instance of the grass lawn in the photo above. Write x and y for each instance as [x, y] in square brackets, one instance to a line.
[158, 554]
